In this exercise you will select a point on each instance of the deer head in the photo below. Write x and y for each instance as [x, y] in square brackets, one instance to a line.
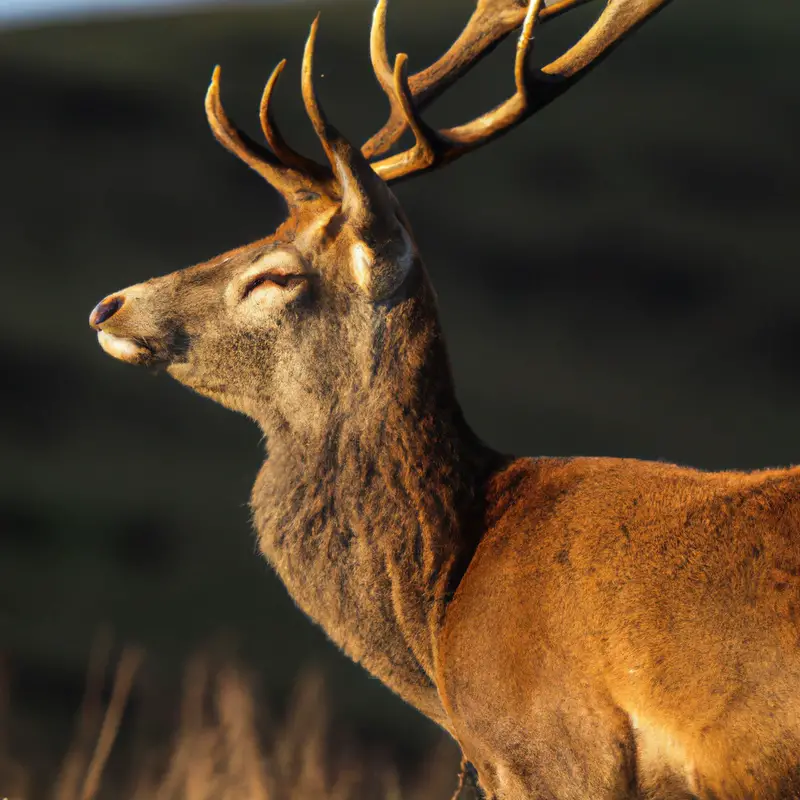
[283, 328]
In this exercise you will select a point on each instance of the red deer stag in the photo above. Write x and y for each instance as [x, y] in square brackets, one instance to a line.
[585, 628]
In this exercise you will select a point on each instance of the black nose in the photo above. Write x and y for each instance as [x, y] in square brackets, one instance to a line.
[105, 310]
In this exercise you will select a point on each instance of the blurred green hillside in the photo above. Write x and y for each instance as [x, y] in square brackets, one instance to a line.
[620, 276]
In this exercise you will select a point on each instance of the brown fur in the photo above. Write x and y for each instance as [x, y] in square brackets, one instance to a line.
[636, 617]
[586, 628]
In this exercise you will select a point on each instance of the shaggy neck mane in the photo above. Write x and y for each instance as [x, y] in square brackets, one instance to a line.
[372, 525]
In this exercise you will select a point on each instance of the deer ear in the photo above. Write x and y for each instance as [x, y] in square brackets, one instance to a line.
[379, 271]
[383, 252]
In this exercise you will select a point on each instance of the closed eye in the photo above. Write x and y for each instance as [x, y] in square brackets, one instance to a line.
[280, 279]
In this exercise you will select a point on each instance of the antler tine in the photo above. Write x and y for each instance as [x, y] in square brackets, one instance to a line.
[535, 89]
[427, 142]
[230, 137]
[489, 25]
[275, 139]
[315, 113]
[379, 53]
[382, 68]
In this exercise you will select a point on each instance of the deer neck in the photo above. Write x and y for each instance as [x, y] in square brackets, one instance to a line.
[371, 524]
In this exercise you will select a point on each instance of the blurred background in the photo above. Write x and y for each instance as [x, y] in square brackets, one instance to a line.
[620, 276]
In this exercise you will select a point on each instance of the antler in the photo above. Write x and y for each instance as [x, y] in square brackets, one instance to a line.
[294, 174]
[490, 23]
[535, 88]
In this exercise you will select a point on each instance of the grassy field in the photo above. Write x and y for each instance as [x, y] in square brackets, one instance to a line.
[223, 746]
[617, 277]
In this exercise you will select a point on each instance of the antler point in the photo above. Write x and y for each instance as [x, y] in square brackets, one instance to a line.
[308, 53]
[212, 94]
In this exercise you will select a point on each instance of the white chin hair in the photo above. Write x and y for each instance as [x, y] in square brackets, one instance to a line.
[123, 349]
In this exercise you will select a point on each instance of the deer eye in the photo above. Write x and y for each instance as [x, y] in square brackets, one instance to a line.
[279, 279]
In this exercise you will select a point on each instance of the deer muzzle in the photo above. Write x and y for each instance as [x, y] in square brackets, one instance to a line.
[120, 332]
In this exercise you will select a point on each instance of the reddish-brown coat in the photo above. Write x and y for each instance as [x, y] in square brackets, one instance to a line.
[615, 604]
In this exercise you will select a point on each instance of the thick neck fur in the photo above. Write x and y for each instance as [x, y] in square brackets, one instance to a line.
[371, 522]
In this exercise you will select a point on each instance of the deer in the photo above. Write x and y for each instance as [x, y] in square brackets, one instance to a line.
[584, 628]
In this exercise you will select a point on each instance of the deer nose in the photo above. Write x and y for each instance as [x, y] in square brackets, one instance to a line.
[106, 309]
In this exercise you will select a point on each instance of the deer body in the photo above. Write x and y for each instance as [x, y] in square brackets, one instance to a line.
[654, 609]
[585, 628]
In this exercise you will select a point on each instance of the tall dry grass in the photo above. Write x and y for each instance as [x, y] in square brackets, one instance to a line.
[220, 750]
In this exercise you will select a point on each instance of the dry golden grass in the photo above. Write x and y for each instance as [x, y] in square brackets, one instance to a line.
[219, 750]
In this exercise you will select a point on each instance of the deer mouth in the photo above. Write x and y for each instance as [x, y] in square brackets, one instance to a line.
[131, 351]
